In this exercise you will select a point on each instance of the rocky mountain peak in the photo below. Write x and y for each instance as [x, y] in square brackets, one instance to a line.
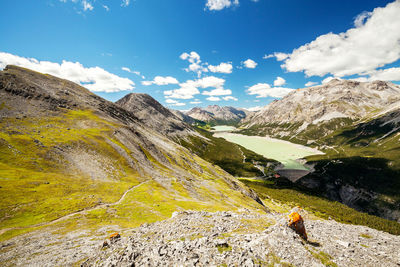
[155, 115]
[138, 102]
[335, 99]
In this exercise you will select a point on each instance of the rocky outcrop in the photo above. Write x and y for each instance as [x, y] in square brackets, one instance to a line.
[248, 239]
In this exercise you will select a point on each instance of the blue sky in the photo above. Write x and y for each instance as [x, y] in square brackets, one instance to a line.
[105, 44]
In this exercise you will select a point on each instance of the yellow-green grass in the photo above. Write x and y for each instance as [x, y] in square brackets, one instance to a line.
[147, 203]
[325, 258]
[38, 187]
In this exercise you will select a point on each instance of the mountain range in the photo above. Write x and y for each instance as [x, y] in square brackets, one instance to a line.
[76, 168]
[339, 102]
[215, 114]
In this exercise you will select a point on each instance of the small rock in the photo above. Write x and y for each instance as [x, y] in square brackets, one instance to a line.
[105, 245]
[221, 242]
[343, 243]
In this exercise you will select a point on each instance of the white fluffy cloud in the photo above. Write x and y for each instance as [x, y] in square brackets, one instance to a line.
[87, 5]
[197, 66]
[195, 63]
[360, 19]
[173, 102]
[210, 81]
[310, 84]
[191, 57]
[250, 64]
[390, 74]
[281, 56]
[195, 102]
[133, 71]
[159, 80]
[220, 4]
[256, 108]
[170, 101]
[279, 81]
[265, 90]
[227, 98]
[268, 56]
[186, 91]
[373, 43]
[94, 78]
[221, 68]
[125, 2]
[278, 55]
[189, 88]
[328, 79]
[213, 98]
[218, 91]
[179, 104]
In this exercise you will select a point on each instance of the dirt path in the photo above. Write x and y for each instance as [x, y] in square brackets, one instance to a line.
[244, 156]
[99, 206]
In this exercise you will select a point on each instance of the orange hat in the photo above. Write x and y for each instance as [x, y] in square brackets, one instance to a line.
[294, 217]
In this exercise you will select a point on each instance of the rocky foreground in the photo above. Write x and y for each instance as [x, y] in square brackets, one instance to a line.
[247, 239]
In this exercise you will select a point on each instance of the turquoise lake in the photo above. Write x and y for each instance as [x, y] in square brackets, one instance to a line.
[285, 152]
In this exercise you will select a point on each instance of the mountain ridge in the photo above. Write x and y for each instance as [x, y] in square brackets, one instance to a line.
[215, 114]
[335, 99]
[154, 115]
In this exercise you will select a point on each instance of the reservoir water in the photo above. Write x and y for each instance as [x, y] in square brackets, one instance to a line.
[283, 151]
[223, 128]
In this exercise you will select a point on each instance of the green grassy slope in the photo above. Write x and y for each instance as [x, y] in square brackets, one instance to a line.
[39, 183]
